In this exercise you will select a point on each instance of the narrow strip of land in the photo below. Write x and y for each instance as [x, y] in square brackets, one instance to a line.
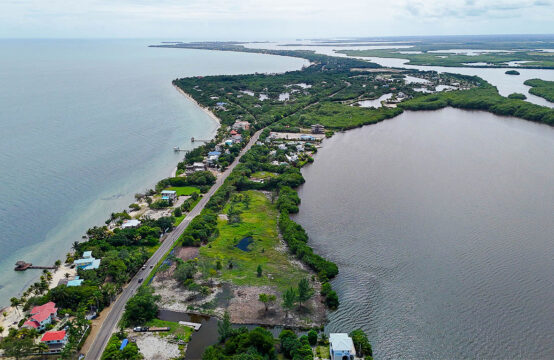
[118, 307]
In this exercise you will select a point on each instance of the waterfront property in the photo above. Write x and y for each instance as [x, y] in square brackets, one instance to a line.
[87, 262]
[241, 125]
[133, 223]
[55, 340]
[169, 195]
[341, 347]
[75, 282]
[41, 316]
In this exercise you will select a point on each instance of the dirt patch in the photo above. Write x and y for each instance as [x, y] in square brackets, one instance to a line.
[245, 308]
[155, 347]
[176, 297]
[187, 252]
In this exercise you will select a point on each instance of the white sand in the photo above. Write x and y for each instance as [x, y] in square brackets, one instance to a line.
[154, 347]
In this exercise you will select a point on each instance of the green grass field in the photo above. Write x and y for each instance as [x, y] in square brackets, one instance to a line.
[263, 175]
[180, 331]
[184, 190]
[260, 222]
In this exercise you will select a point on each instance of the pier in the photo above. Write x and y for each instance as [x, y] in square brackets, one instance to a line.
[192, 139]
[195, 326]
[22, 266]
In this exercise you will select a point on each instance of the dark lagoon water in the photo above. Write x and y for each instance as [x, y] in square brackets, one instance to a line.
[441, 225]
[86, 124]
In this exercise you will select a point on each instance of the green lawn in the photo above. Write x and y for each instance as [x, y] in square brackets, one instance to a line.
[180, 331]
[184, 190]
[260, 222]
[263, 175]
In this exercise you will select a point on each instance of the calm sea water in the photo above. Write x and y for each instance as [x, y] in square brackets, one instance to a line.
[84, 126]
[441, 225]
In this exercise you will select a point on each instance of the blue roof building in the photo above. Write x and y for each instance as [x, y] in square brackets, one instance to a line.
[87, 262]
[75, 282]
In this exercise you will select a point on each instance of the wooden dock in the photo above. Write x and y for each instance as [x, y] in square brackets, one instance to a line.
[22, 266]
[195, 326]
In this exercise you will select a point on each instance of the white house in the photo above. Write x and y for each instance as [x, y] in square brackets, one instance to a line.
[169, 195]
[341, 347]
[130, 223]
[282, 147]
[41, 316]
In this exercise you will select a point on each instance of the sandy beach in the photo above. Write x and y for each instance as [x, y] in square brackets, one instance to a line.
[205, 109]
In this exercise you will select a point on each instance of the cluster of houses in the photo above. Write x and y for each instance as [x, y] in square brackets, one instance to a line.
[42, 316]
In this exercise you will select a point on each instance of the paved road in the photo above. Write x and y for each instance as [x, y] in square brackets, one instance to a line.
[109, 325]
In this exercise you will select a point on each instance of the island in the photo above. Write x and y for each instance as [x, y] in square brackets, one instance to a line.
[512, 72]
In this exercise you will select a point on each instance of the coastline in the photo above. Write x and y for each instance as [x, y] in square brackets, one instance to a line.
[14, 315]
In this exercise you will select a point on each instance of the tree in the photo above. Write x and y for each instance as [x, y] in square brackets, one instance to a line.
[15, 302]
[267, 299]
[142, 307]
[305, 291]
[18, 344]
[224, 329]
[289, 299]
[58, 263]
[361, 343]
[75, 245]
[259, 270]
[312, 337]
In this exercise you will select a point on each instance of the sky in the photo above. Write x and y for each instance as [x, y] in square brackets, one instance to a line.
[270, 19]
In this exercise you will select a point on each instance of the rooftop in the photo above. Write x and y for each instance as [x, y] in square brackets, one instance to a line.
[341, 342]
[53, 336]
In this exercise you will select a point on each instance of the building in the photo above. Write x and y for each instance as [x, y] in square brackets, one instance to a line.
[41, 316]
[87, 262]
[169, 195]
[213, 156]
[233, 132]
[299, 147]
[282, 146]
[75, 282]
[341, 347]
[55, 340]
[318, 129]
[237, 138]
[305, 137]
[229, 142]
[241, 125]
[130, 223]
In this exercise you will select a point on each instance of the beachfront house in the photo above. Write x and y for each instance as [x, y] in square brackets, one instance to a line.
[241, 125]
[133, 223]
[318, 129]
[55, 340]
[87, 262]
[169, 195]
[41, 316]
[213, 156]
[341, 347]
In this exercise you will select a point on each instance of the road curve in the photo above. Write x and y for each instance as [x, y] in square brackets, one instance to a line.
[110, 323]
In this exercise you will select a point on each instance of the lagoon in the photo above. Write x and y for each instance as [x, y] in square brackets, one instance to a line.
[441, 226]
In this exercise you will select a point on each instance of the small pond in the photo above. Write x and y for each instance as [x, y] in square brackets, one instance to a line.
[244, 243]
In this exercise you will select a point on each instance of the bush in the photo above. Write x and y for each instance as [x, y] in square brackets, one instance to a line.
[312, 337]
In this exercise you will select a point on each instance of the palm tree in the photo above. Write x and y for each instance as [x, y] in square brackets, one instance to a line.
[75, 245]
[66, 275]
[41, 348]
[15, 303]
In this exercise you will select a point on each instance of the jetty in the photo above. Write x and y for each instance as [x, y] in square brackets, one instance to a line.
[195, 326]
[22, 266]
[192, 139]
[177, 148]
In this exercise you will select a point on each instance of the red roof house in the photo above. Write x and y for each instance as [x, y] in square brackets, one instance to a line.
[54, 337]
[41, 316]
[233, 132]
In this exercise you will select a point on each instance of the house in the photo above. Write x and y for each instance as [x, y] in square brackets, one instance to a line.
[214, 153]
[299, 147]
[87, 262]
[282, 146]
[229, 142]
[169, 195]
[305, 137]
[198, 166]
[233, 132]
[75, 282]
[213, 156]
[55, 340]
[241, 125]
[41, 316]
[341, 347]
[318, 129]
[130, 223]
[292, 158]
[237, 138]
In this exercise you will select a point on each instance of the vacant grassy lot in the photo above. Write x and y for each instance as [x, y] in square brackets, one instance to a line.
[179, 331]
[260, 222]
[263, 175]
[184, 190]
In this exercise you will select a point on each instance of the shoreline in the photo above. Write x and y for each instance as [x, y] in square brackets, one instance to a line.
[13, 314]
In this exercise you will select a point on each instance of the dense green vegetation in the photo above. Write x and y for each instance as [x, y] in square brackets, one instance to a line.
[517, 96]
[542, 88]
[141, 308]
[486, 98]
[531, 58]
[112, 352]
[512, 72]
